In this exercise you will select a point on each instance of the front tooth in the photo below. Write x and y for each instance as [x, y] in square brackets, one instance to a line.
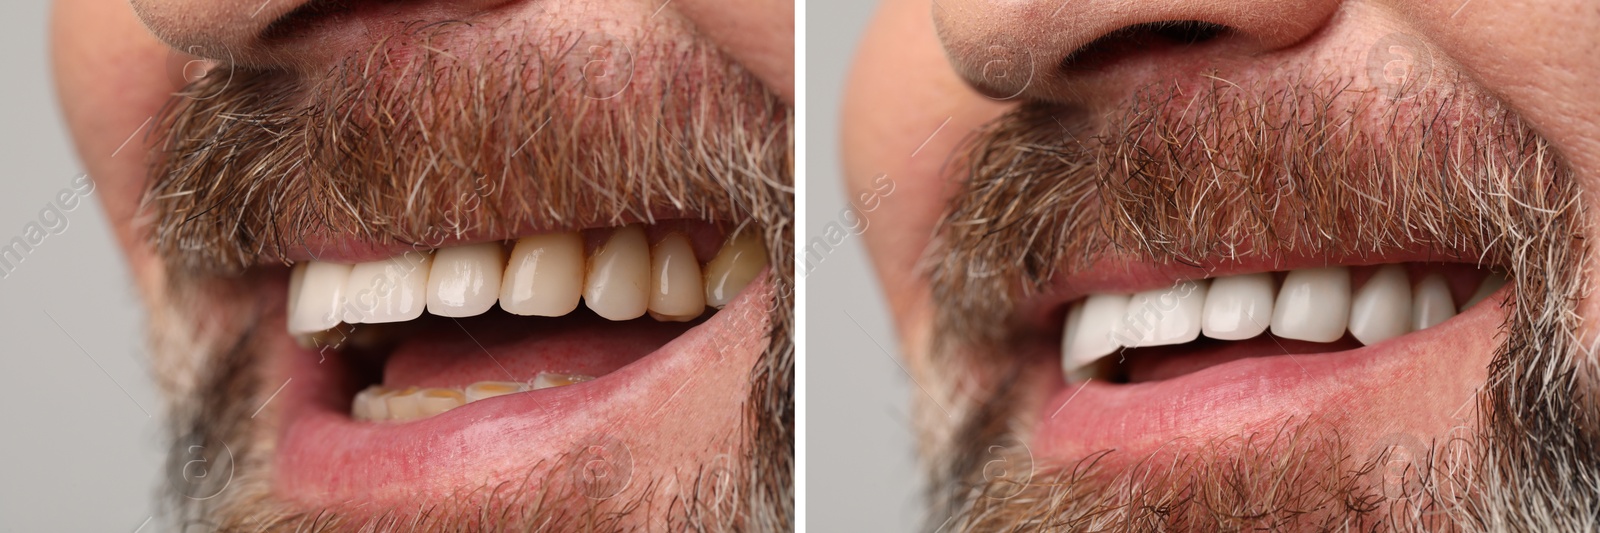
[618, 285]
[1382, 308]
[1431, 303]
[388, 290]
[1090, 330]
[677, 290]
[547, 380]
[484, 390]
[1238, 307]
[1490, 284]
[321, 296]
[736, 264]
[434, 401]
[545, 275]
[1164, 316]
[465, 280]
[1313, 305]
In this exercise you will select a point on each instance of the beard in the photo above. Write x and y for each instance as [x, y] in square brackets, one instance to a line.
[416, 149]
[1194, 175]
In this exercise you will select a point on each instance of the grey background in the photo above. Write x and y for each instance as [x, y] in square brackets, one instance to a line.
[77, 452]
[860, 471]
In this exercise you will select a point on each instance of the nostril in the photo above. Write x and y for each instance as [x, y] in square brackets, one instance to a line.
[1139, 39]
[307, 16]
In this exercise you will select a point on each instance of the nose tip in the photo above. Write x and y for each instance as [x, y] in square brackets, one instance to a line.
[1033, 48]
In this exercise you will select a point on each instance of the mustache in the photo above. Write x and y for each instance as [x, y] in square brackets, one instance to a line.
[443, 141]
[1229, 171]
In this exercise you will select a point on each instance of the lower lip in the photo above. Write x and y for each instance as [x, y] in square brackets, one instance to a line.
[323, 458]
[1421, 383]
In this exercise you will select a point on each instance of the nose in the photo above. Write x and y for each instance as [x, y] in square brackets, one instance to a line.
[1037, 48]
[257, 31]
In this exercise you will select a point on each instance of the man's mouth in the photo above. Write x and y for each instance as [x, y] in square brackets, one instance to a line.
[1167, 332]
[423, 332]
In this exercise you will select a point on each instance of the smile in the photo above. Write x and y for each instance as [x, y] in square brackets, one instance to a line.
[1314, 305]
[1189, 361]
[505, 350]
[400, 317]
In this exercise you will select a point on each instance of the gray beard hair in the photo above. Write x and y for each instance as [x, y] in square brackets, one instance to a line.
[1283, 171]
[253, 161]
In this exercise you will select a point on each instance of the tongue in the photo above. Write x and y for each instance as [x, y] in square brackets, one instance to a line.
[445, 352]
[1166, 362]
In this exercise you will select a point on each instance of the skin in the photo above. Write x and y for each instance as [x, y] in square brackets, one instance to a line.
[114, 69]
[921, 64]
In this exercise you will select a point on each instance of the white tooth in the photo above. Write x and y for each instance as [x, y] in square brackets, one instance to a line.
[1238, 307]
[1431, 302]
[1163, 316]
[1313, 305]
[388, 290]
[403, 405]
[545, 275]
[677, 291]
[618, 284]
[434, 401]
[1381, 310]
[465, 280]
[1490, 284]
[547, 380]
[738, 262]
[484, 390]
[1091, 333]
[321, 297]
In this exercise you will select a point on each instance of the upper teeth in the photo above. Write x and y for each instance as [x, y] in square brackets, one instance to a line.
[1314, 304]
[544, 275]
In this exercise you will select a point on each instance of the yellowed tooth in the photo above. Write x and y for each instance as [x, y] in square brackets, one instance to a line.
[360, 406]
[370, 404]
[618, 283]
[736, 264]
[544, 276]
[483, 390]
[404, 404]
[677, 290]
[434, 401]
[1491, 283]
[547, 380]
[378, 403]
[297, 279]
[465, 280]
[387, 290]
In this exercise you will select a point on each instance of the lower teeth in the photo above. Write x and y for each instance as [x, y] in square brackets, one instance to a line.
[378, 403]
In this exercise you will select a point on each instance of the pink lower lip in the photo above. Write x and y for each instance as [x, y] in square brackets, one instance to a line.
[324, 458]
[1417, 382]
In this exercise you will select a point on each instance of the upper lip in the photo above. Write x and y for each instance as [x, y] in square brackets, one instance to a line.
[323, 246]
